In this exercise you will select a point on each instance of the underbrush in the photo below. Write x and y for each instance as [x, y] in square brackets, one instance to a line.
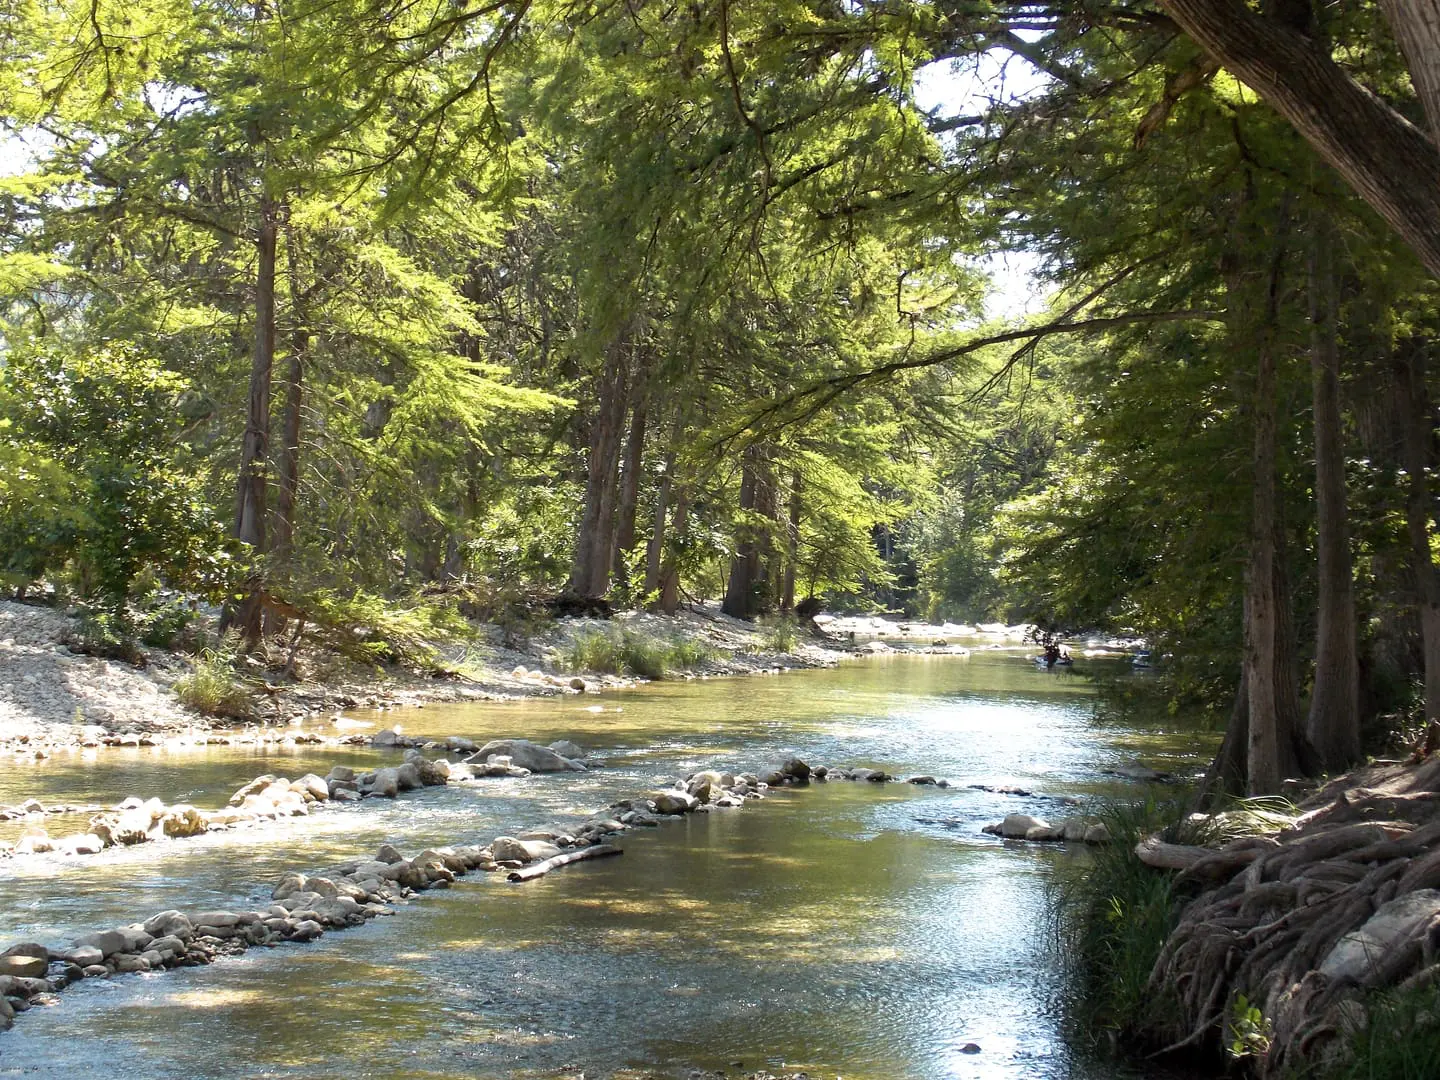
[613, 652]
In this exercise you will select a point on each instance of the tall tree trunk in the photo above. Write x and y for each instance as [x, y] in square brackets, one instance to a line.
[288, 472]
[656, 550]
[594, 545]
[630, 486]
[1332, 727]
[1418, 433]
[250, 489]
[1263, 768]
[740, 588]
[670, 567]
[792, 545]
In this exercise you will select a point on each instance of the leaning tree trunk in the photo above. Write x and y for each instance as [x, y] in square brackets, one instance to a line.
[1389, 162]
[594, 544]
[1332, 727]
[250, 489]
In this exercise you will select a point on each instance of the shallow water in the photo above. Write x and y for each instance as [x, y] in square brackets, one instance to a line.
[858, 930]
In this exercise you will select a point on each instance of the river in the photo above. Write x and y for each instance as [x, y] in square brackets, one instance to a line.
[845, 929]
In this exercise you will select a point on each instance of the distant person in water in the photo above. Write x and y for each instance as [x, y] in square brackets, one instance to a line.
[1052, 654]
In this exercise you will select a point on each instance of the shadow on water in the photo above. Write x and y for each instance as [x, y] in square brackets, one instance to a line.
[849, 929]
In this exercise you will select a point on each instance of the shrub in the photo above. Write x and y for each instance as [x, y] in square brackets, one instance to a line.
[212, 687]
[782, 635]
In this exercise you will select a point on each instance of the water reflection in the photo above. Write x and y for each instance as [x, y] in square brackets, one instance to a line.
[860, 930]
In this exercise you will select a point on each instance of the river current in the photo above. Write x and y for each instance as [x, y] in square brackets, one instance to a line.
[856, 930]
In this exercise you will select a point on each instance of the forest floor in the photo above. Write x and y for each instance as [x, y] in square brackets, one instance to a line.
[51, 694]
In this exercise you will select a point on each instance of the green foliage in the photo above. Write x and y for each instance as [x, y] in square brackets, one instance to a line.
[212, 686]
[108, 489]
[373, 629]
[1248, 1030]
[106, 634]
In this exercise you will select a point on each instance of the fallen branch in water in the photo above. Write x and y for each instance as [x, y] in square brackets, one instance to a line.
[540, 869]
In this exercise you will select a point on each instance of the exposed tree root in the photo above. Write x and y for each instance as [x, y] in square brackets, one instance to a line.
[1272, 916]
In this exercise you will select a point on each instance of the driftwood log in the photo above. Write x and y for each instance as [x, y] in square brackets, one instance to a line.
[1267, 911]
[540, 869]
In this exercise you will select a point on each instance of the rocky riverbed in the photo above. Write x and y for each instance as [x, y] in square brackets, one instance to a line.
[306, 905]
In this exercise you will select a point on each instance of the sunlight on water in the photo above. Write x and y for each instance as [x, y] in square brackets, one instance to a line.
[849, 929]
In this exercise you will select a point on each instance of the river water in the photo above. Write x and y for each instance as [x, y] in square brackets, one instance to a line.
[845, 929]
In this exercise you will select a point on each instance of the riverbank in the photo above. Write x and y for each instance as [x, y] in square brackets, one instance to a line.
[53, 695]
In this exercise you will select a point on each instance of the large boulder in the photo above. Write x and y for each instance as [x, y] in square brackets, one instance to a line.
[1395, 923]
[407, 776]
[795, 769]
[567, 749]
[312, 785]
[23, 966]
[386, 783]
[1016, 826]
[260, 783]
[674, 802]
[526, 755]
[169, 924]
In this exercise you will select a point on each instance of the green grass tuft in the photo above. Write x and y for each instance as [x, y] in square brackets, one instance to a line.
[1112, 916]
[612, 652]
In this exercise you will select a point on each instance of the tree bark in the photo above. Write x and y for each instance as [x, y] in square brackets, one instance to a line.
[288, 472]
[1226, 774]
[1388, 161]
[630, 487]
[656, 550]
[250, 489]
[1332, 726]
[1263, 771]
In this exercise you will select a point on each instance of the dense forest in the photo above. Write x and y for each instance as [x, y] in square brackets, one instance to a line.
[314, 306]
